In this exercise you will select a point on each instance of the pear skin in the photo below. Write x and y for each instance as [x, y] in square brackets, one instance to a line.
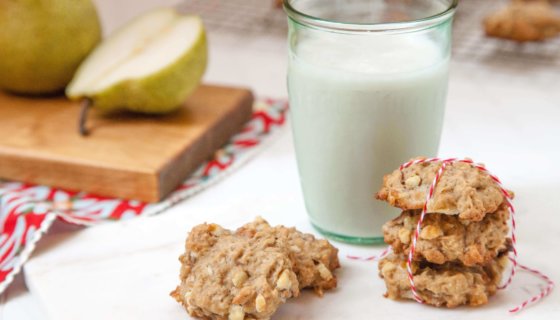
[42, 43]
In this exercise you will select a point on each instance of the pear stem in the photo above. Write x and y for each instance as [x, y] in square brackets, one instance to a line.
[86, 104]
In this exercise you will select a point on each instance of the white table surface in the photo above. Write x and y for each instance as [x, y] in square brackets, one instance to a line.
[505, 116]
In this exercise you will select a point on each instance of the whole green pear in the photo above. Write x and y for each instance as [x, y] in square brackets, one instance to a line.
[42, 43]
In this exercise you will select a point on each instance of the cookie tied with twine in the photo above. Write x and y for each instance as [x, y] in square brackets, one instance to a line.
[465, 191]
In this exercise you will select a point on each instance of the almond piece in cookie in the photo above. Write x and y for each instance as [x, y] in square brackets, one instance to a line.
[231, 276]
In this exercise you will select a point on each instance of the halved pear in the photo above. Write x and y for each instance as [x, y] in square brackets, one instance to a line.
[150, 65]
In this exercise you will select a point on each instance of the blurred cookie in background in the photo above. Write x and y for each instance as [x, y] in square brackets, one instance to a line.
[524, 20]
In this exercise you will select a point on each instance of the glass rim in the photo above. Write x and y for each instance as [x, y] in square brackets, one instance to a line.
[321, 23]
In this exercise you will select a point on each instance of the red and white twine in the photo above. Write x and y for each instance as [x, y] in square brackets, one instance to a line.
[444, 163]
[378, 257]
[545, 292]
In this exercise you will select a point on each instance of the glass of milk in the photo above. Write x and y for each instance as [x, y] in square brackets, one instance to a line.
[367, 82]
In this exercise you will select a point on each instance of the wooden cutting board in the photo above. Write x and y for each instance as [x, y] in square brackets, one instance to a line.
[125, 155]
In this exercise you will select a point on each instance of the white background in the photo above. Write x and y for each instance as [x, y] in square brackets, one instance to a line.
[504, 115]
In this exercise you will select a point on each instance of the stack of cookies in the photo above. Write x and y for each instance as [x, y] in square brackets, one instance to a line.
[250, 272]
[462, 248]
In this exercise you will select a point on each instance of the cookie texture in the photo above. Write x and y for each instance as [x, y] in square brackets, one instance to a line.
[448, 285]
[231, 276]
[445, 238]
[249, 273]
[524, 21]
[462, 190]
[314, 259]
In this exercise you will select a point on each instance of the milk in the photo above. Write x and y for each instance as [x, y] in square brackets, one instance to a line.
[360, 107]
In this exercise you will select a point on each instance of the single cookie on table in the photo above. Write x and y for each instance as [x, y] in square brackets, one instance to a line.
[314, 259]
[462, 190]
[445, 238]
[447, 285]
[232, 276]
[524, 21]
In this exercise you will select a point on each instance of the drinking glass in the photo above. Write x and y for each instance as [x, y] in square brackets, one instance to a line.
[367, 83]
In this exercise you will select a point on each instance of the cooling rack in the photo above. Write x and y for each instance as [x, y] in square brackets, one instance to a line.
[261, 17]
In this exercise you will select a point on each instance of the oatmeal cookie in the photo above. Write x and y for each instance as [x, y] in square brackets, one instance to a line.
[462, 190]
[447, 285]
[314, 259]
[446, 238]
[524, 21]
[231, 276]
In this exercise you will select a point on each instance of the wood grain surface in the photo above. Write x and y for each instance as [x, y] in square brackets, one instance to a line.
[126, 155]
